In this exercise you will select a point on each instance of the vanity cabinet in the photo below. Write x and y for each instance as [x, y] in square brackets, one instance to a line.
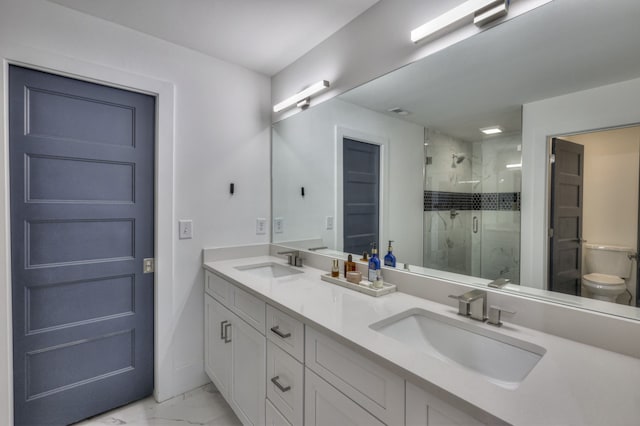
[235, 354]
[327, 406]
[425, 409]
[369, 385]
[274, 370]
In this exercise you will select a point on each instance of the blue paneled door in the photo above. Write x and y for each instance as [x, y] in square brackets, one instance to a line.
[82, 210]
[361, 195]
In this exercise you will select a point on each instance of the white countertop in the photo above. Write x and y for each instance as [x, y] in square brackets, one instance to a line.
[572, 384]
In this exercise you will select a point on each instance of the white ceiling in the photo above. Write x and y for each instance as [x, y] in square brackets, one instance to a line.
[262, 35]
[562, 47]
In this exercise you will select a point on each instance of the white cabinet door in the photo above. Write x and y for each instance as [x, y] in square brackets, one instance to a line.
[425, 409]
[326, 406]
[285, 387]
[248, 372]
[217, 358]
[378, 390]
[274, 417]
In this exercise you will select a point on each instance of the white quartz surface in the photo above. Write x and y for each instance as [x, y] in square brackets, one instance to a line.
[572, 384]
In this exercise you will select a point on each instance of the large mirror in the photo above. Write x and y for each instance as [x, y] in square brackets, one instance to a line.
[548, 201]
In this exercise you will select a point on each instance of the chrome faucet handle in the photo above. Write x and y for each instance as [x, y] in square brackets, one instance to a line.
[292, 256]
[495, 312]
[463, 305]
[499, 283]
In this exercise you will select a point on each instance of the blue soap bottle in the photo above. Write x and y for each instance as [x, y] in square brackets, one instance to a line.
[374, 263]
[390, 259]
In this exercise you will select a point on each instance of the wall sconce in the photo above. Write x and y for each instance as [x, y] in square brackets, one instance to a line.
[481, 11]
[302, 99]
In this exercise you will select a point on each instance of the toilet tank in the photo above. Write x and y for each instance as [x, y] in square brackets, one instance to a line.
[611, 260]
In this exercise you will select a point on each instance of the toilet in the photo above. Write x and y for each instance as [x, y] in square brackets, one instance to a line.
[606, 269]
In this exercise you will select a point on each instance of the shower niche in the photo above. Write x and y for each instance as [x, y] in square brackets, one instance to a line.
[472, 204]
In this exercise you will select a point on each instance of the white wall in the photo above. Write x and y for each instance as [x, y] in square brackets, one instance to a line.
[306, 152]
[610, 209]
[603, 107]
[375, 43]
[219, 132]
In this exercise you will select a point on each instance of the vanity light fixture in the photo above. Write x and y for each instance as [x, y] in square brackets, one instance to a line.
[493, 130]
[514, 166]
[481, 12]
[302, 99]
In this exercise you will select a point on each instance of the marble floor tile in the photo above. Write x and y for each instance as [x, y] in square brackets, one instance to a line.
[203, 406]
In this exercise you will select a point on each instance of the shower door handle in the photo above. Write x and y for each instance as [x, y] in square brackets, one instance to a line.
[475, 224]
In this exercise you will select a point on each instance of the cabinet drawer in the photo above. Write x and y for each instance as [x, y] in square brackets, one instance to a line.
[326, 406]
[286, 332]
[376, 389]
[425, 409]
[274, 417]
[217, 287]
[285, 383]
[248, 307]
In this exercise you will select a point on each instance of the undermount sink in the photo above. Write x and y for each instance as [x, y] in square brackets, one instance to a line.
[501, 359]
[269, 270]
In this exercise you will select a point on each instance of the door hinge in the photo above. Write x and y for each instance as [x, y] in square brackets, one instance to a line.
[550, 232]
[149, 265]
[552, 158]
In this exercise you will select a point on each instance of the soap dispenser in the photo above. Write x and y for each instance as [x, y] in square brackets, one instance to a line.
[374, 263]
[390, 259]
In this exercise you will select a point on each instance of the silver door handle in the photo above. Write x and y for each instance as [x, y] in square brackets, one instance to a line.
[222, 324]
[276, 330]
[283, 389]
[227, 327]
[475, 224]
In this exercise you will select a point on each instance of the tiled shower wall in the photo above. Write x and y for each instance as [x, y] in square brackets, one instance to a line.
[472, 211]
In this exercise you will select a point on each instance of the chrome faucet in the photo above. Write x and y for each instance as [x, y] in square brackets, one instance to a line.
[293, 257]
[472, 304]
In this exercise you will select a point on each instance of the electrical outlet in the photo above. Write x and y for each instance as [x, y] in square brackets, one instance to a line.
[185, 228]
[278, 225]
[261, 226]
[329, 223]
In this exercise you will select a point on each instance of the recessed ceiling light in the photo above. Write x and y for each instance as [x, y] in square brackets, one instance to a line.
[493, 130]
[399, 111]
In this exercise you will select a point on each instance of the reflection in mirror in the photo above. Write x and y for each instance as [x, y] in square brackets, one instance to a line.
[467, 206]
[599, 231]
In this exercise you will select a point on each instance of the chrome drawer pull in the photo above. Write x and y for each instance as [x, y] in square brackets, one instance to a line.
[276, 330]
[222, 329]
[283, 389]
[227, 327]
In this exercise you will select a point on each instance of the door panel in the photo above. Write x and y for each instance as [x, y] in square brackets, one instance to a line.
[567, 174]
[361, 195]
[82, 209]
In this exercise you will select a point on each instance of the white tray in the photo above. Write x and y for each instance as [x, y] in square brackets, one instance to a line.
[363, 287]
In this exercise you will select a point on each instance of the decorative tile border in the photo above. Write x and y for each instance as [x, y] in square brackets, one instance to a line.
[441, 200]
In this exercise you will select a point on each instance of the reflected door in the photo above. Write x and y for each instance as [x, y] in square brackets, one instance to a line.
[82, 220]
[567, 175]
[361, 193]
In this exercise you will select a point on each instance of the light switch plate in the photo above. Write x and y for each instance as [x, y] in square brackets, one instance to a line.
[278, 225]
[329, 223]
[261, 226]
[185, 229]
